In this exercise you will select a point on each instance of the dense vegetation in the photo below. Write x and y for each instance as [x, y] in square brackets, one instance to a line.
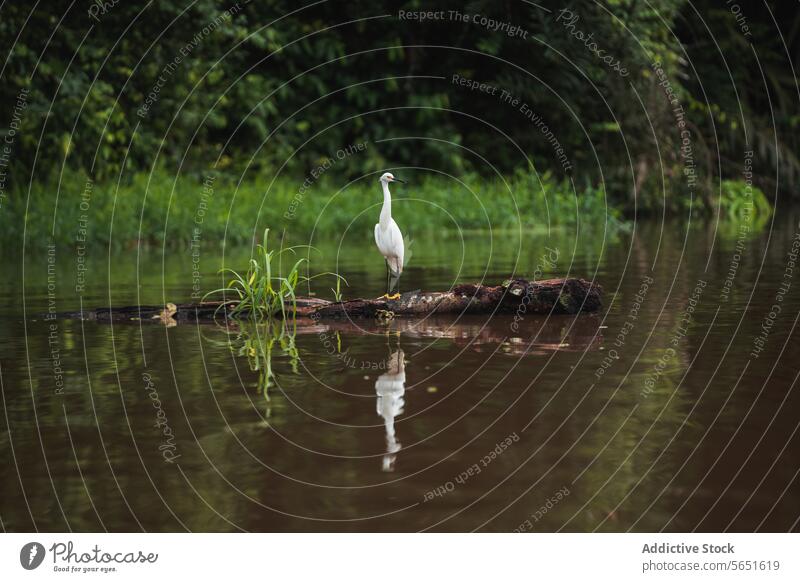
[275, 99]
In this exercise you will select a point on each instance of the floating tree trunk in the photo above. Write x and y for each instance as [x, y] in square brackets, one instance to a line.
[557, 296]
[516, 296]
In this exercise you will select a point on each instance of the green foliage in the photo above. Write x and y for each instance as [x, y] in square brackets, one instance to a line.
[337, 292]
[738, 200]
[270, 89]
[742, 86]
[160, 209]
[262, 292]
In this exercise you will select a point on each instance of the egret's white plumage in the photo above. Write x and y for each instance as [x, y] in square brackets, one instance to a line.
[387, 234]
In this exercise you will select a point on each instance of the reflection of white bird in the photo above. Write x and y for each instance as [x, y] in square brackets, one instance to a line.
[390, 388]
[389, 238]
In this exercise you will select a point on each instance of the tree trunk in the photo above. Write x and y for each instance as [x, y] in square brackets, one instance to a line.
[516, 296]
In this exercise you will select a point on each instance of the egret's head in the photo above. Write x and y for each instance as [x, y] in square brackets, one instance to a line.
[389, 177]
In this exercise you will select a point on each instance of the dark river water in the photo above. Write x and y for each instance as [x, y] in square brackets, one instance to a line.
[675, 408]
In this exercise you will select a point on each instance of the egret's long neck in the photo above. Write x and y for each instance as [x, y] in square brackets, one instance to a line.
[386, 211]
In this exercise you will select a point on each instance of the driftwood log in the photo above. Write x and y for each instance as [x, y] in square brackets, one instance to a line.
[552, 296]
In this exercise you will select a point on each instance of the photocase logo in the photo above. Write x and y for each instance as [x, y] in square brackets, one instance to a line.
[31, 555]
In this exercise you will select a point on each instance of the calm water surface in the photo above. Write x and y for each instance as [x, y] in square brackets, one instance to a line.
[674, 408]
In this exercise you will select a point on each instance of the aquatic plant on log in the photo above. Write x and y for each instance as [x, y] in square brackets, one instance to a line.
[262, 291]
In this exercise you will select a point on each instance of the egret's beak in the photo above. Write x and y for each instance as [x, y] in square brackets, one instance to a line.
[399, 180]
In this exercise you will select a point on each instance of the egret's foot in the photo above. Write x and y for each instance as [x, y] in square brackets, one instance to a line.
[388, 297]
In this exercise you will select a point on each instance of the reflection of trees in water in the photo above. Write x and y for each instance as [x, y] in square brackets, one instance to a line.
[639, 434]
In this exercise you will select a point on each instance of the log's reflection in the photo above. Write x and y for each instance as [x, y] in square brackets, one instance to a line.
[390, 388]
[536, 336]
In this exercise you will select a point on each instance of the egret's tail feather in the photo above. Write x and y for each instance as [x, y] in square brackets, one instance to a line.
[408, 242]
[395, 266]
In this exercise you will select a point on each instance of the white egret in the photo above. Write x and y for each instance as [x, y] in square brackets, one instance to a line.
[389, 238]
